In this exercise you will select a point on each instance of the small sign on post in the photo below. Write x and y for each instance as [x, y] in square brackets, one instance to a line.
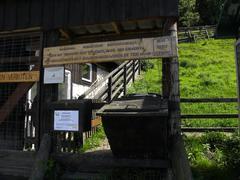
[66, 120]
[53, 75]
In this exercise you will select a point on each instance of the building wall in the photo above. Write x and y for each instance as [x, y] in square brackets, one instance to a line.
[78, 90]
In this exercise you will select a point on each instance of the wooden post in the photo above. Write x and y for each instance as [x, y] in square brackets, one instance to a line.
[125, 80]
[48, 92]
[237, 60]
[41, 161]
[170, 88]
[109, 89]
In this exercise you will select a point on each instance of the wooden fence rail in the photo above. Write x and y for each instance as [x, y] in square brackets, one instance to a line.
[192, 34]
[208, 100]
[193, 117]
[209, 129]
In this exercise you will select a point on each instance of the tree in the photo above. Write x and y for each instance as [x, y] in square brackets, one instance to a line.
[188, 14]
[209, 11]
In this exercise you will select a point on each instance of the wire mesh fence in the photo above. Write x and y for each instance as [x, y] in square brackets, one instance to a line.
[19, 54]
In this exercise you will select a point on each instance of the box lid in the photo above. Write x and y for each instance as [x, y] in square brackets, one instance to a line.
[141, 104]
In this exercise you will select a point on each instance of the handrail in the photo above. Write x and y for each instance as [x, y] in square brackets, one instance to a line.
[114, 83]
[103, 80]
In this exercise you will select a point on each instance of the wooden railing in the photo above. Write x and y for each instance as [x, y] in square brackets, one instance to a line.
[209, 116]
[115, 83]
[192, 34]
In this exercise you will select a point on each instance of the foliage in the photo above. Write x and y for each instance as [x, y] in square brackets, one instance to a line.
[149, 81]
[95, 140]
[146, 65]
[214, 139]
[221, 161]
[200, 12]
[231, 150]
[51, 169]
[209, 11]
[188, 14]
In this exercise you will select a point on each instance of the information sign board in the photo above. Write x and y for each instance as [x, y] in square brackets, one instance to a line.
[66, 120]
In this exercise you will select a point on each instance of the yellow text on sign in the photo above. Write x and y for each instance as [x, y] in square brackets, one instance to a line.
[21, 76]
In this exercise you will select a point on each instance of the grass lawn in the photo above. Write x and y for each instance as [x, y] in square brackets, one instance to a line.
[207, 70]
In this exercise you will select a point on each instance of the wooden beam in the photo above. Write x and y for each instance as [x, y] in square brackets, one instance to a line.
[15, 97]
[20, 60]
[65, 34]
[113, 36]
[116, 28]
[12, 100]
[96, 122]
[104, 160]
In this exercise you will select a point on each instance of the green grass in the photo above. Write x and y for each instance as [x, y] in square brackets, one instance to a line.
[94, 141]
[207, 70]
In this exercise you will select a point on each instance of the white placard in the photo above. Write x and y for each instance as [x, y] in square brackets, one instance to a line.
[66, 120]
[53, 75]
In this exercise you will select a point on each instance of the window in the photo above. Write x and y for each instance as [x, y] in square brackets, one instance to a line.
[87, 72]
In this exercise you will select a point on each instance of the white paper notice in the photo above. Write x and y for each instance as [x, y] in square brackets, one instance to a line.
[53, 75]
[66, 120]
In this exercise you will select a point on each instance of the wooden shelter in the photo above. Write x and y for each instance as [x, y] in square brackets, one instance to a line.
[33, 32]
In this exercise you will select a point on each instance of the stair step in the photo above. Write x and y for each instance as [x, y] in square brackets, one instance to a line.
[15, 171]
[113, 176]
[17, 164]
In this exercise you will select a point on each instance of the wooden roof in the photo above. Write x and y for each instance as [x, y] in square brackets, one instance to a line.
[52, 14]
[229, 23]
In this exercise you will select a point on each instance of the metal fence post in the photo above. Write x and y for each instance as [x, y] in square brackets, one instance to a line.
[125, 80]
[133, 69]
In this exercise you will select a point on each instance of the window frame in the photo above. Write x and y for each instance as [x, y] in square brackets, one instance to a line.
[91, 74]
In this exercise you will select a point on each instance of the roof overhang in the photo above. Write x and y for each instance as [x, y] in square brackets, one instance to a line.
[87, 18]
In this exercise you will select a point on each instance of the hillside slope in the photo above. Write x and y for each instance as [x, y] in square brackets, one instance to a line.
[207, 70]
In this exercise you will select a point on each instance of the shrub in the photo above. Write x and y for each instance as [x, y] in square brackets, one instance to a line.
[214, 139]
[231, 151]
[188, 64]
[146, 64]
